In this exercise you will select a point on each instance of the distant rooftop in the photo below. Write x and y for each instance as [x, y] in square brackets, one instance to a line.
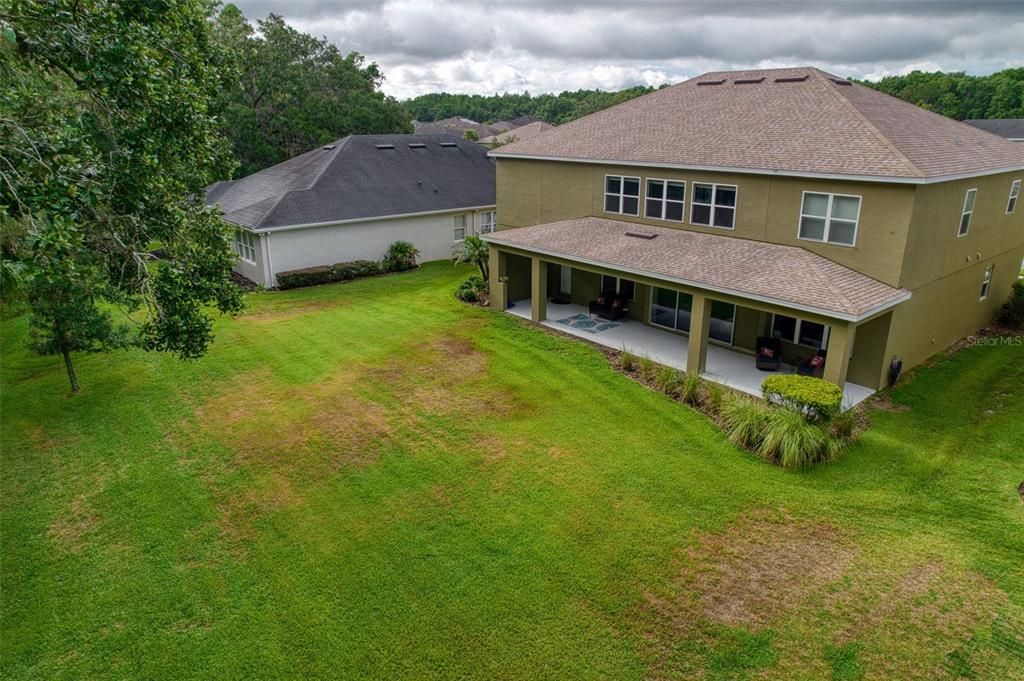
[799, 121]
[1010, 128]
[361, 176]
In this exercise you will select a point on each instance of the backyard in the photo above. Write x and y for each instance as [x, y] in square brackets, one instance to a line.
[373, 480]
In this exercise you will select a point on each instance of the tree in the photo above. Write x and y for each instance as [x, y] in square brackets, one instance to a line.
[296, 92]
[471, 135]
[958, 95]
[108, 137]
[473, 251]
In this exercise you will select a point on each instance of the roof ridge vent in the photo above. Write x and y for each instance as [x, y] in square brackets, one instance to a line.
[711, 82]
[417, 145]
[840, 81]
[791, 79]
[448, 144]
[384, 146]
[638, 234]
[328, 147]
[745, 81]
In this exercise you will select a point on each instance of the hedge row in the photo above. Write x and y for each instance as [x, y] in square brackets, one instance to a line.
[329, 274]
[816, 398]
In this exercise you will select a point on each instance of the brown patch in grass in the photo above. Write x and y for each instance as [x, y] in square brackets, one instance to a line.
[69, 529]
[883, 402]
[284, 309]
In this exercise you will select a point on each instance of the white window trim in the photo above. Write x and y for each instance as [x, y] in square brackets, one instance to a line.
[796, 332]
[968, 213]
[243, 243]
[622, 186]
[665, 200]
[465, 227]
[1014, 198]
[986, 283]
[714, 195]
[488, 226]
[828, 218]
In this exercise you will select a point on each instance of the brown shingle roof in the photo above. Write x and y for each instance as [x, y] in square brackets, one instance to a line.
[799, 120]
[784, 275]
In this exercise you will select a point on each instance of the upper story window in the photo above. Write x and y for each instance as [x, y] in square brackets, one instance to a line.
[460, 227]
[965, 215]
[622, 195]
[986, 283]
[665, 199]
[831, 218]
[1011, 205]
[244, 247]
[487, 222]
[713, 205]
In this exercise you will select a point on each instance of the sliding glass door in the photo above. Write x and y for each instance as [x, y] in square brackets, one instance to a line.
[671, 309]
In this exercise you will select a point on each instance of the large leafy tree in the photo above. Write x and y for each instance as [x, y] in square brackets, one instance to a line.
[107, 141]
[959, 95]
[295, 92]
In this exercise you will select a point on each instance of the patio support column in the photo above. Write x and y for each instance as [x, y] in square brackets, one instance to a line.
[496, 274]
[837, 359]
[538, 289]
[697, 347]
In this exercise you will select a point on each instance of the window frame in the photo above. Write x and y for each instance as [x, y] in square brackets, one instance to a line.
[456, 228]
[665, 200]
[968, 213]
[618, 286]
[622, 195]
[243, 243]
[796, 331]
[492, 223]
[986, 283]
[828, 218]
[714, 195]
[1011, 201]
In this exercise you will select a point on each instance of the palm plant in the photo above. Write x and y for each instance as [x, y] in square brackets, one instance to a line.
[472, 251]
[401, 255]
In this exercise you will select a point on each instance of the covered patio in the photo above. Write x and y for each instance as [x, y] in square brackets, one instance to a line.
[723, 365]
[702, 303]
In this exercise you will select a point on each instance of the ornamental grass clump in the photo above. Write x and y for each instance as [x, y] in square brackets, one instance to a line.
[690, 389]
[792, 441]
[668, 381]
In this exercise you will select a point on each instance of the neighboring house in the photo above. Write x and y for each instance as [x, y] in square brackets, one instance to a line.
[351, 199]
[505, 126]
[455, 125]
[1010, 128]
[789, 203]
[516, 134]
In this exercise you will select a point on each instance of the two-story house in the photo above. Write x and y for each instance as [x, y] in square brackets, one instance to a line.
[789, 204]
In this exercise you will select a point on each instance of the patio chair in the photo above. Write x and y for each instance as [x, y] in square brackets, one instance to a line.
[813, 365]
[609, 305]
[768, 353]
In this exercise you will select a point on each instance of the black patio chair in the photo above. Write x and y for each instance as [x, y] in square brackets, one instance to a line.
[768, 353]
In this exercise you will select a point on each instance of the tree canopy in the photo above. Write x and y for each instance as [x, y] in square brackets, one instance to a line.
[295, 92]
[108, 137]
[959, 95]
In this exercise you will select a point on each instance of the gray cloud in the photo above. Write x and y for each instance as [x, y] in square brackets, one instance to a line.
[459, 45]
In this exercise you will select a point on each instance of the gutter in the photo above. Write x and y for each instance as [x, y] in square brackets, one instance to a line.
[374, 218]
[905, 295]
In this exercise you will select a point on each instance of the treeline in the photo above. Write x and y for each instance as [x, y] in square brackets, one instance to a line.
[958, 95]
[553, 108]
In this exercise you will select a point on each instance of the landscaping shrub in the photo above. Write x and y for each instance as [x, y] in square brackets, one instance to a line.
[472, 289]
[690, 389]
[628, 361]
[1012, 314]
[401, 256]
[647, 369]
[668, 381]
[843, 426]
[328, 274]
[744, 420]
[711, 396]
[816, 399]
[792, 441]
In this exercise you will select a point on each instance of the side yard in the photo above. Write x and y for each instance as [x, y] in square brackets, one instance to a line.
[374, 480]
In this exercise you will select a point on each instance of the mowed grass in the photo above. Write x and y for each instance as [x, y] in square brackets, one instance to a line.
[372, 480]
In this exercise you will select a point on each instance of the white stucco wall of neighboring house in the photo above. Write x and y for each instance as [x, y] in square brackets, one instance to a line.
[282, 250]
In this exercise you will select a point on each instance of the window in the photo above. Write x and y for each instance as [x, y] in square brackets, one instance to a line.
[460, 227]
[986, 283]
[723, 315]
[624, 287]
[800, 331]
[1011, 205]
[713, 205]
[665, 200]
[965, 216]
[622, 195]
[831, 218]
[487, 222]
[671, 309]
[243, 245]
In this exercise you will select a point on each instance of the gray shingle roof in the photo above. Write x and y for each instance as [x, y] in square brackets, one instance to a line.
[353, 179]
[797, 120]
[1010, 128]
[785, 275]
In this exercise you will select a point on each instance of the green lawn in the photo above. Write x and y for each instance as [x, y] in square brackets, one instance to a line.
[372, 480]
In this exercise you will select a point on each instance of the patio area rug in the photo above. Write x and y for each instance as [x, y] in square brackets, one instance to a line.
[585, 322]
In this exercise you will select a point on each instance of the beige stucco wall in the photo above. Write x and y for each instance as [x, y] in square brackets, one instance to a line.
[768, 208]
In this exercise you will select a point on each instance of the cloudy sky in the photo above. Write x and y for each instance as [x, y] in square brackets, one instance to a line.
[516, 45]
